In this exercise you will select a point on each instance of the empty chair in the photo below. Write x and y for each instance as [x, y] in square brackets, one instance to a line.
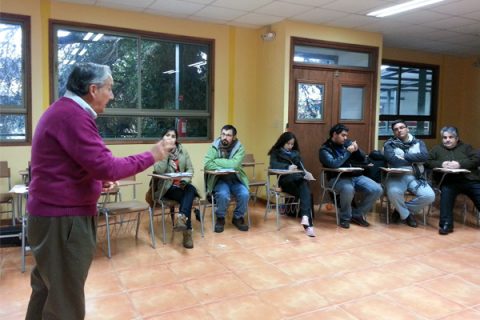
[250, 163]
[121, 215]
[6, 198]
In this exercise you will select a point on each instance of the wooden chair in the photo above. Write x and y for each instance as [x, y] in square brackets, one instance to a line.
[121, 215]
[6, 198]
[250, 163]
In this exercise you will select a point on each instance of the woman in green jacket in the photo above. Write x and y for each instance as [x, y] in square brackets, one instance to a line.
[180, 189]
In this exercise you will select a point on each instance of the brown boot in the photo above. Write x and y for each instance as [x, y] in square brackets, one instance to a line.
[187, 239]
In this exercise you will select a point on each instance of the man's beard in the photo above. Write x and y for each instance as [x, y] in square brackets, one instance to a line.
[225, 142]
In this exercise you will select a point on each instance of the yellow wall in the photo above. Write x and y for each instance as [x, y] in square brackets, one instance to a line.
[251, 75]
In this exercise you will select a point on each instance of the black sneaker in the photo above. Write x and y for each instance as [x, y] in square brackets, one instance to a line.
[197, 214]
[395, 216]
[360, 221]
[240, 224]
[345, 224]
[219, 224]
[410, 221]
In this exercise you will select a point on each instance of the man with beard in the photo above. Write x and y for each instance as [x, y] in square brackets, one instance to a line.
[454, 154]
[407, 152]
[227, 152]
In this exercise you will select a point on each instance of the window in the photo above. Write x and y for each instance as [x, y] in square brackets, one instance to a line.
[408, 92]
[159, 80]
[15, 99]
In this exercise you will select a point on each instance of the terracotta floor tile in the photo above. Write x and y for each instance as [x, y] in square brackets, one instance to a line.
[331, 313]
[423, 302]
[127, 260]
[99, 284]
[238, 260]
[456, 289]
[146, 276]
[376, 280]
[216, 287]
[157, 300]
[278, 253]
[377, 307]
[412, 271]
[338, 290]
[445, 261]
[264, 277]
[115, 307]
[196, 268]
[385, 252]
[469, 274]
[342, 262]
[464, 315]
[302, 269]
[246, 307]
[293, 300]
[194, 313]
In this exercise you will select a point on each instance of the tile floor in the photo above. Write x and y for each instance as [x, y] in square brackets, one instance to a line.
[380, 272]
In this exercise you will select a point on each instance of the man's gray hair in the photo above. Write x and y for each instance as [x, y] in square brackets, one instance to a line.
[85, 74]
[449, 129]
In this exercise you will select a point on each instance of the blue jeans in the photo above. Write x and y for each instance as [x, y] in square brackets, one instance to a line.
[346, 188]
[223, 191]
[185, 197]
[397, 185]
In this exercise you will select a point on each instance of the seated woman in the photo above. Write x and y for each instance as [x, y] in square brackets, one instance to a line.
[285, 154]
[181, 189]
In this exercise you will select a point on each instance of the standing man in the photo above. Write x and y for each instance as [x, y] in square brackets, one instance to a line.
[70, 167]
[338, 151]
[403, 150]
[227, 152]
[454, 154]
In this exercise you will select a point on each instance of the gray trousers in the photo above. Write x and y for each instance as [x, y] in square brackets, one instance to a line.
[63, 248]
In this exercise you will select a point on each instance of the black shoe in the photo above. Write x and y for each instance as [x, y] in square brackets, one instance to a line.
[410, 221]
[220, 224]
[240, 224]
[445, 229]
[395, 216]
[360, 221]
[345, 224]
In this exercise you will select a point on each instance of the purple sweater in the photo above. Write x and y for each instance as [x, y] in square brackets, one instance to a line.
[69, 161]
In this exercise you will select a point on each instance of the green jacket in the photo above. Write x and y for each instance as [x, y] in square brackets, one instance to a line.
[463, 153]
[184, 163]
[214, 161]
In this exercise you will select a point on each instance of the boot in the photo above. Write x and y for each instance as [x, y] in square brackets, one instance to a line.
[187, 239]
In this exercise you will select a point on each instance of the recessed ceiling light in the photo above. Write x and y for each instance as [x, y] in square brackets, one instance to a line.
[410, 5]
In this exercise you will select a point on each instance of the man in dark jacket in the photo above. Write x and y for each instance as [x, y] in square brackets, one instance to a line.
[337, 152]
[454, 154]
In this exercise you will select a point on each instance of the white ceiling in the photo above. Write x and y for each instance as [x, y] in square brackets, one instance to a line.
[448, 27]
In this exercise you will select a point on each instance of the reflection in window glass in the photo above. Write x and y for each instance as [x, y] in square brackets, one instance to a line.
[327, 56]
[407, 92]
[156, 81]
[13, 78]
[351, 103]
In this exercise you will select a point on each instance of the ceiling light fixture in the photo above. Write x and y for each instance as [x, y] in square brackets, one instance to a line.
[410, 5]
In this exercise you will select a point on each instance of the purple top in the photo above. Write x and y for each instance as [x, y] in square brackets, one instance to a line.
[69, 161]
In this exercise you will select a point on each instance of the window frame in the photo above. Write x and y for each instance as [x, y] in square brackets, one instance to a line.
[147, 35]
[25, 22]
[432, 118]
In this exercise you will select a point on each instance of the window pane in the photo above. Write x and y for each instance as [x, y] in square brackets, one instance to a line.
[388, 89]
[327, 56]
[122, 127]
[351, 103]
[11, 66]
[420, 128]
[157, 81]
[120, 53]
[415, 93]
[12, 127]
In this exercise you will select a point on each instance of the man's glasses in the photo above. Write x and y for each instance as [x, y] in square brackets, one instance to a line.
[399, 128]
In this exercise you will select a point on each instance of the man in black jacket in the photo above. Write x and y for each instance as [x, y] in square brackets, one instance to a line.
[337, 152]
[454, 154]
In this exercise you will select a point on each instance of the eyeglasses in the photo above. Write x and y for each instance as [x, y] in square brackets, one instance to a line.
[226, 135]
[399, 128]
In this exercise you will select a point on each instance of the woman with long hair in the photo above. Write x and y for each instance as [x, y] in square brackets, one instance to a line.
[180, 189]
[285, 154]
